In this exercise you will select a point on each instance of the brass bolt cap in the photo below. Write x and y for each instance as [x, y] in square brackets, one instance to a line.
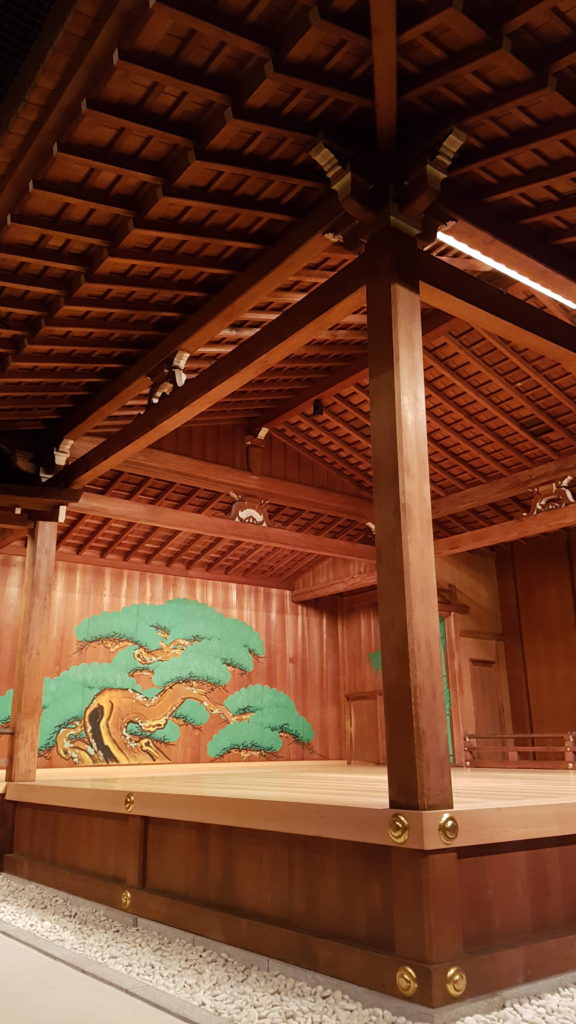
[456, 982]
[398, 828]
[406, 981]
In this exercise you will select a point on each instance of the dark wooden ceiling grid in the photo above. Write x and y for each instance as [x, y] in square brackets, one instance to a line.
[182, 159]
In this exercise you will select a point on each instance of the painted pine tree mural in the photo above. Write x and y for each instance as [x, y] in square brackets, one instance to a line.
[171, 669]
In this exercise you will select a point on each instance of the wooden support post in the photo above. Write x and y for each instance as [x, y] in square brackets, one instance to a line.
[426, 905]
[33, 638]
[417, 743]
[136, 839]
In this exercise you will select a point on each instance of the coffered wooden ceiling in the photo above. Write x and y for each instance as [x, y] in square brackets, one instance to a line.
[158, 193]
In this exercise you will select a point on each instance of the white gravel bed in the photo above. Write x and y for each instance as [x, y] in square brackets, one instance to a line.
[235, 990]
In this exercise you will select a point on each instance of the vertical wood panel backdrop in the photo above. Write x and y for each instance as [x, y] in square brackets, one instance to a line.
[226, 444]
[537, 586]
[301, 642]
[475, 639]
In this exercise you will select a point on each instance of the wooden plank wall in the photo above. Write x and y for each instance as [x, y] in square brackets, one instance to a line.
[537, 588]
[301, 641]
[476, 657]
[226, 445]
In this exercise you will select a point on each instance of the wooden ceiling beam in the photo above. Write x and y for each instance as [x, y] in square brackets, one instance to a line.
[131, 118]
[383, 22]
[44, 257]
[55, 358]
[59, 228]
[8, 304]
[343, 584]
[169, 73]
[104, 507]
[29, 375]
[415, 86]
[12, 521]
[525, 180]
[514, 245]
[123, 306]
[272, 73]
[273, 343]
[99, 159]
[561, 128]
[227, 203]
[146, 284]
[29, 282]
[147, 255]
[298, 246]
[483, 306]
[94, 199]
[507, 532]
[185, 231]
[115, 19]
[211, 476]
[226, 30]
[505, 487]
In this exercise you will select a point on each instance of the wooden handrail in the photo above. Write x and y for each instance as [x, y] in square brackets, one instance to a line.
[478, 756]
[517, 735]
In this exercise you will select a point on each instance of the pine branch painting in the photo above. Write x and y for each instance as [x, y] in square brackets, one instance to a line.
[171, 668]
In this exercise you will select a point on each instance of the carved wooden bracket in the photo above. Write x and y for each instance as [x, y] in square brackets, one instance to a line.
[557, 494]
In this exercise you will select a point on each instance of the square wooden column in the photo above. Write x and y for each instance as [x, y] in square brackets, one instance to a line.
[417, 743]
[34, 638]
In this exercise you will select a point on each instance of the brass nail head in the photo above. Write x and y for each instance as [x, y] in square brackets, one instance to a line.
[398, 828]
[406, 982]
[456, 982]
[448, 828]
[126, 899]
[129, 802]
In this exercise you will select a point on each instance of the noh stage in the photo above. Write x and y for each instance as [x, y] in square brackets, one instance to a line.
[306, 862]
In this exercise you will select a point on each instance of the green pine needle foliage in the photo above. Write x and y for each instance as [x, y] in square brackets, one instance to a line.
[272, 713]
[218, 645]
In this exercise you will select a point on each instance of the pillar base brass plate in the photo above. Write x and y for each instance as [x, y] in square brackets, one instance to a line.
[456, 982]
[406, 982]
[398, 828]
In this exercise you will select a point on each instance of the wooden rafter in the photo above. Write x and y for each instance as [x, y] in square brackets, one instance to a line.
[291, 331]
[296, 248]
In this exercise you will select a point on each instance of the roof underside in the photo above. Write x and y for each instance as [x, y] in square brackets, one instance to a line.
[163, 150]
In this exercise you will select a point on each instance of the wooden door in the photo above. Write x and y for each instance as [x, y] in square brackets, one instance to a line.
[484, 697]
[487, 697]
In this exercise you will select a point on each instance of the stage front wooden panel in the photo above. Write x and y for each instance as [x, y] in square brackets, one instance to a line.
[296, 862]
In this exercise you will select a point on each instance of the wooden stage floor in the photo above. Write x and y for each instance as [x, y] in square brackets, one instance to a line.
[329, 798]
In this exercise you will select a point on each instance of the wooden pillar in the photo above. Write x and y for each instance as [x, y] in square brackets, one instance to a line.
[33, 640]
[417, 742]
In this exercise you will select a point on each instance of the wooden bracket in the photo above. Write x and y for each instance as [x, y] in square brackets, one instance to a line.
[255, 450]
[408, 200]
